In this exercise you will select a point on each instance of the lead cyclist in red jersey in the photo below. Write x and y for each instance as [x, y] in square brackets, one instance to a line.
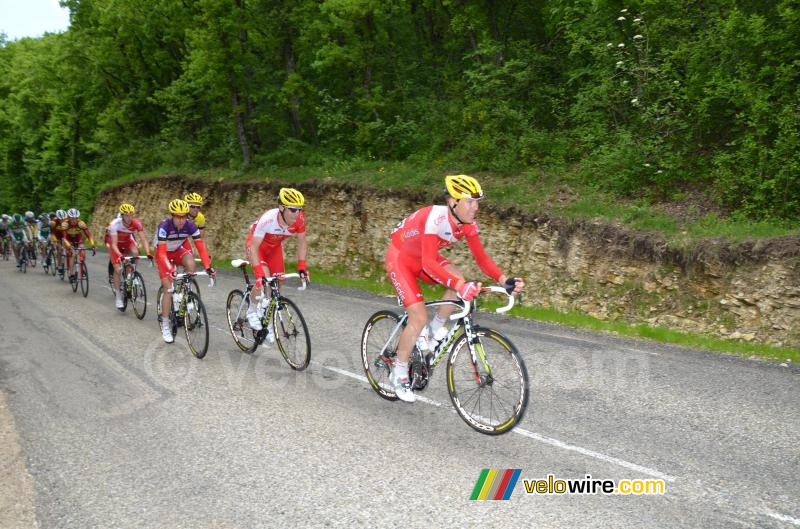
[414, 254]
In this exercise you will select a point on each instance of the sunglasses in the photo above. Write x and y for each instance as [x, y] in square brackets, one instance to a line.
[179, 217]
[294, 210]
[191, 206]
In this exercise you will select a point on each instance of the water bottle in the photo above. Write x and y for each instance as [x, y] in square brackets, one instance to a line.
[176, 299]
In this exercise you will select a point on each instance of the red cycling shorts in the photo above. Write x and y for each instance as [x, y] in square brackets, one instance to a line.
[403, 273]
[270, 256]
[175, 257]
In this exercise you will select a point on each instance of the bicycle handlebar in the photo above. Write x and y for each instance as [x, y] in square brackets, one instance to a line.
[289, 276]
[211, 280]
[499, 290]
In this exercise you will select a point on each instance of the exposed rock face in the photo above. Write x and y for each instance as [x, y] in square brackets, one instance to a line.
[749, 291]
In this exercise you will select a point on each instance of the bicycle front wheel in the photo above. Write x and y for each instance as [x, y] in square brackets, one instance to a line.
[195, 323]
[377, 337]
[138, 296]
[196, 288]
[490, 392]
[236, 309]
[84, 279]
[291, 333]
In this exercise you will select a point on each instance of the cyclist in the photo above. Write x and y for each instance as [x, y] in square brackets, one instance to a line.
[57, 238]
[31, 223]
[195, 202]
[120, 240]
[170, 252]
[5, 232]
[75, 233]
[264, 246]
[414, 254]
[43, 234]
[21, 235]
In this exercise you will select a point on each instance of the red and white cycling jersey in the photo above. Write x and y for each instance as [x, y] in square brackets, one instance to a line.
[421, 235]
[273, 232]
[124, 233]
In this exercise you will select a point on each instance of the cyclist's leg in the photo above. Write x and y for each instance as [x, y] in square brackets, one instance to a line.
[272, 261]
[445, 311]
[116, 262]
[403, 278]
[166, 283]
[187, 260]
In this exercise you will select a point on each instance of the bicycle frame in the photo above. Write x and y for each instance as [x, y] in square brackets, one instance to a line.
[275, 293]
[463, 320]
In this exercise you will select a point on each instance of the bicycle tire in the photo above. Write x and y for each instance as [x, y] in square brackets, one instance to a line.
[287, 331]
[470, 388]
[241, 332]
[158, 305]
[377, 367]
[111, 279]
[138, 296]
[196, 287]
[32, 257]
[196, 318]
[83, 277]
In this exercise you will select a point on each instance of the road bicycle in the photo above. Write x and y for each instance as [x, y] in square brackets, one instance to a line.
[187, 311]
[49, 263]
[280, 316]
[31, 247]
[82, 274]
[132, 284]
[486, 375]
[23, 258]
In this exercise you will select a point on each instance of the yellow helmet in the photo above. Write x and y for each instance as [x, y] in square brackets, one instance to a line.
[461, 186]
[291, 197]
[127, 208]
[194, 199]
[179, 207]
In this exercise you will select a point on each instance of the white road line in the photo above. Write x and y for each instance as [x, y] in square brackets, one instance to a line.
[538, 437]
[782, 517]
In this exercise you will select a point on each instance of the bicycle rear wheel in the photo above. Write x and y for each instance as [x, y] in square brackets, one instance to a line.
[291, 333]
[195, 323]
[236, 310]
[490, 394]
[138, 296]
[84, 279]
[377, 366]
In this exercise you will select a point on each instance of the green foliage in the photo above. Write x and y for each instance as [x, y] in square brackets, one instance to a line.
[638, 99]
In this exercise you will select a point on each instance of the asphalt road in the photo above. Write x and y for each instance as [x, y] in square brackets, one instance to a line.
[119, 429]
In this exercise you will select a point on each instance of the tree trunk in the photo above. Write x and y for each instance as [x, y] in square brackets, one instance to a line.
[294, 99]
[241, 130]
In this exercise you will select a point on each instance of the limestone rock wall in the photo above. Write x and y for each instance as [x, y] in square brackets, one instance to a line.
[749, 291]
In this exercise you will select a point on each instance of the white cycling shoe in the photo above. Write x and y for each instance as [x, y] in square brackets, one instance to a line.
[402, 387]
[166, 332]
[254, 320]
[120, 301]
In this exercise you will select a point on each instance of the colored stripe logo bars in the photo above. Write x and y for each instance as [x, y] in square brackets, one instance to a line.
[495, 484]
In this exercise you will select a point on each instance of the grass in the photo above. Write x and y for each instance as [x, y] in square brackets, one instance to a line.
[582, 321]
[540, 192]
